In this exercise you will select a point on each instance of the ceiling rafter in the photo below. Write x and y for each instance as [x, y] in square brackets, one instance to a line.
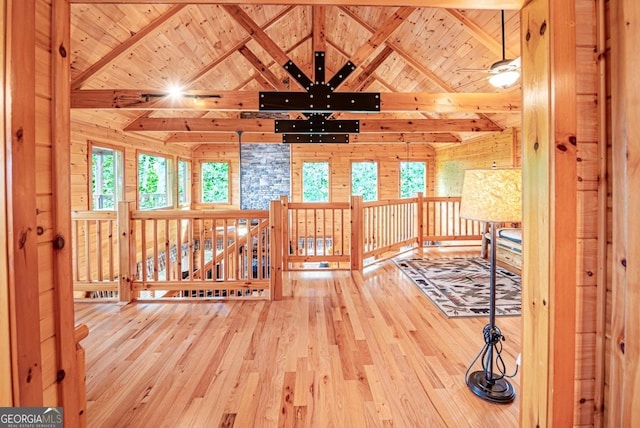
[448, 4]
[125, 46]
[266, 125]
[319, 41]
[381, 35]
[223, 57]
[262, 68]
[478, 33]
[263, 137]
[410, 60]
[134, 99]
[426, 115]
[257, 33]
[362, 80]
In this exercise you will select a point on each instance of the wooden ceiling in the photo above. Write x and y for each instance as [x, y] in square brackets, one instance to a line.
[125, 55]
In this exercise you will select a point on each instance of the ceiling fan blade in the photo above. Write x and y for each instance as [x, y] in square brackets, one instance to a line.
[516, 63]
[472, 70]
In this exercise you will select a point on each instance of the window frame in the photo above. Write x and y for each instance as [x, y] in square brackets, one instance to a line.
[201, 162]
[120, 184]
[377, 178]
[170, 179]
[426, 179]
[187, 184]
[328, 163]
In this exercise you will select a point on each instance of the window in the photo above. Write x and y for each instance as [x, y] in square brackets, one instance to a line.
[153, 182]
[413, 179]
[184, 182]
[214, 182]
[315, 182]
[106, 178]
[364, 180]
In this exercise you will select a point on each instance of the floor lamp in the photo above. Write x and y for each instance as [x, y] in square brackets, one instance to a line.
[492, 196]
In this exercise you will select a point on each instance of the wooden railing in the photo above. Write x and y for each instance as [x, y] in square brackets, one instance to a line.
[95, 254]
[241, 254]
[200, 254]
[389, 226]
[441, 221]
[317, 233]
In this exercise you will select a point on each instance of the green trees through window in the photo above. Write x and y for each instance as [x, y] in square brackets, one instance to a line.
[106, 178]
[413, 179]
[184, 179]
[215, 182]
[364, 180]
[315, 182]
[153, 182]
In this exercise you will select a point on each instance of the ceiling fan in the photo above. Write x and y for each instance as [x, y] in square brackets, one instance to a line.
[503, 73]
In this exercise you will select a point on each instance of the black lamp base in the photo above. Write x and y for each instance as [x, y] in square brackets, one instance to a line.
[498, 391]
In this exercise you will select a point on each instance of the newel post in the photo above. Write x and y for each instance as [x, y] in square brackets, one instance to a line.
[127, 251]
[357, 233]
[276, 249]
[286, 244]
[420, 214]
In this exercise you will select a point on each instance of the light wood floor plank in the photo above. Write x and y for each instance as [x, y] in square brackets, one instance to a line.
[347, 350]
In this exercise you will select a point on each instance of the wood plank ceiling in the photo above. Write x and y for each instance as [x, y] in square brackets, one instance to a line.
[125, 54]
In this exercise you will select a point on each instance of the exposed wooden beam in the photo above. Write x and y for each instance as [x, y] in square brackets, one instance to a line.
[125, 46]
[257, 33]
[262, 68]
[262, 137]
[319, 41]
[362, 79]
[248, 101]
[267, 125]
[449, 4]
[480, 34]
[381, 35]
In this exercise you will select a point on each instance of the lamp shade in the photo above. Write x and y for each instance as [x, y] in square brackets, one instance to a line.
[492, 195]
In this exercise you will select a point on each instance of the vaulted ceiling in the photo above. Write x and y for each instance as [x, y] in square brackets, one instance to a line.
[125, 55]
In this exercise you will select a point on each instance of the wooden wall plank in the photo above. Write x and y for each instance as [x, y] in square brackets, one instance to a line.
[60, 123]
[6, 387]
[549, 183]
[21, 204]
[624, 397]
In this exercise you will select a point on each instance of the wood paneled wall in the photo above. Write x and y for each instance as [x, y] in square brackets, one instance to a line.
[503, 148]
[40, 339]
[589, 177]
[340, 157]
[623, 338]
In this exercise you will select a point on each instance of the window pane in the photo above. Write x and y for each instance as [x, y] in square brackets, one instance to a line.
[184, 179]
[412, 179]
[315, 182]
[106, 178]
[215, 182]
[153, 178]
[364, 180]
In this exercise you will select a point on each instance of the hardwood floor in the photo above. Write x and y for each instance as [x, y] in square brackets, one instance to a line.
[345, 351]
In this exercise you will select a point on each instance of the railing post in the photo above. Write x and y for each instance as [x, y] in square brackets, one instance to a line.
[357, 233]
[276, 248]
[125, 236]
[286, 239]
[420, 214]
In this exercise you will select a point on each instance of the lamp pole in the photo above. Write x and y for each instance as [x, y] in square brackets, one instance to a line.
[485, 383]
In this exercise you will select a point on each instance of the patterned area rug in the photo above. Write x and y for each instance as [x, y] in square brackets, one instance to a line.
[460, 286]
